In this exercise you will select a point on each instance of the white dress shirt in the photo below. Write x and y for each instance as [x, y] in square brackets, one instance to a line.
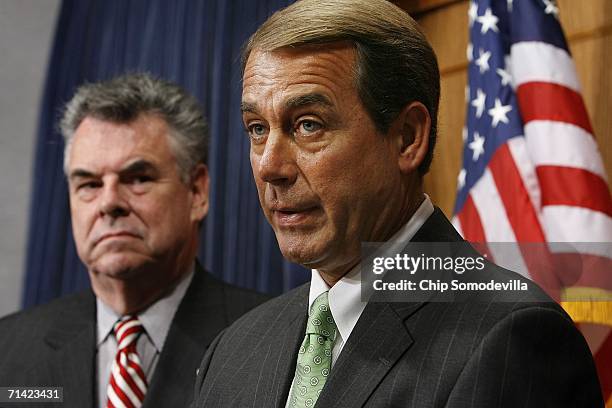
[345, 296]
[156, 320]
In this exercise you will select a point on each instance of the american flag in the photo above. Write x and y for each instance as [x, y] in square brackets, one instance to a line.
[532, 171]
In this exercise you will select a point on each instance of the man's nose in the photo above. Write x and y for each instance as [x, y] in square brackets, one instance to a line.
[113, 203]
[277, 164]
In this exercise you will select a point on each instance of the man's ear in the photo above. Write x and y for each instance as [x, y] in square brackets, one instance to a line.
[199, 189]
[411, 129]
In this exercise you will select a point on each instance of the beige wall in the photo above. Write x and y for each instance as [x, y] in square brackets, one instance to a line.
[588, 28]
[26, 31]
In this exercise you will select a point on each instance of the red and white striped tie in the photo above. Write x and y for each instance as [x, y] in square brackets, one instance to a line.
[127, 385]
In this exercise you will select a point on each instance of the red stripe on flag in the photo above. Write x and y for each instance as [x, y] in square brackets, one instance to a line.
[470, 222]
[583, 270]
[523, 220]
[471, 226]
[519, 208]
[574, 187]
[547, 101]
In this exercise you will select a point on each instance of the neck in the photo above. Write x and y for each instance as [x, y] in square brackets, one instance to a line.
[126, 297]
[331, 277]
[132, 291]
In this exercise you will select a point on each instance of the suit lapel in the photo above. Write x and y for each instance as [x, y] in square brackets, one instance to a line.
[200, 316]
[288, 344]
[73, 341]
[378, 340]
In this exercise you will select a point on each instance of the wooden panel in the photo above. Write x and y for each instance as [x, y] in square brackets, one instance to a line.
[446, 29]
[593, 58]
[588, 27]
[580, 17]
[441, 181]
[419, 6]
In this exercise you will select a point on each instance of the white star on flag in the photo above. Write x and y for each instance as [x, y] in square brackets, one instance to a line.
[483, 60]
[551, 8]
[461, 178]
[479, 102]
[499, 113]
[506, 78]
[464, 134]
[472, 12]
[477, 146]
[488, 21]
[509, 5]
[470, 52]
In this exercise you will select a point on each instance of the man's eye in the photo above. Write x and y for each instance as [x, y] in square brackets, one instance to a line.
[139, 183]
[141, 179]
[309, 126]
[257, 132]
[89, 185]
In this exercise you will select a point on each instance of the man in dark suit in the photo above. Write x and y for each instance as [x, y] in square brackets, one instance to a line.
[135, 160]
[340, 99]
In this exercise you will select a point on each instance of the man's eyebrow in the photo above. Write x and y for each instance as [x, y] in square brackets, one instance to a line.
[308, 99]
[248, 107]
[292, 103]
[138, 166]
[80, 173]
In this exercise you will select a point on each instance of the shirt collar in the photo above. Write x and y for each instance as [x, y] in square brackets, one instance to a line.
[156, 319]
[345, 296]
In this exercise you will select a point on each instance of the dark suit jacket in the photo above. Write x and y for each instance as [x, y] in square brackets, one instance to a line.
[476, 353]
[54, 344]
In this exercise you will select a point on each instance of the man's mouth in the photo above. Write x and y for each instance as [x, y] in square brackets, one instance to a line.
[116, 235]
[291, 216]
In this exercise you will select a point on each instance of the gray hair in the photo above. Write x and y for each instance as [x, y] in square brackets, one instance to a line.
[395, 65]
[124, 98]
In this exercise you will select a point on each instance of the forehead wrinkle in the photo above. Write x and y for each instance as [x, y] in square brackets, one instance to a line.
[338, 64]
[122, 145]
[282, 78]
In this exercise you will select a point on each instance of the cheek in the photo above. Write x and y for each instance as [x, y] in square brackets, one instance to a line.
[169, 212]
[82, 225]
[338, 176]
[81, 220]
[259, 183]
[351, 184]
[254, 159]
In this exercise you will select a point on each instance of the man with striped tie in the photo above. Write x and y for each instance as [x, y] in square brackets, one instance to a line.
[135, 159]
[340, 100]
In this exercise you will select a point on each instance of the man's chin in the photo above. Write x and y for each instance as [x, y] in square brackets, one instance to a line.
[306, 256]
[117, 266]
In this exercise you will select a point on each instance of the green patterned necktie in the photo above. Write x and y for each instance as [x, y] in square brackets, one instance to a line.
[315, 355]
